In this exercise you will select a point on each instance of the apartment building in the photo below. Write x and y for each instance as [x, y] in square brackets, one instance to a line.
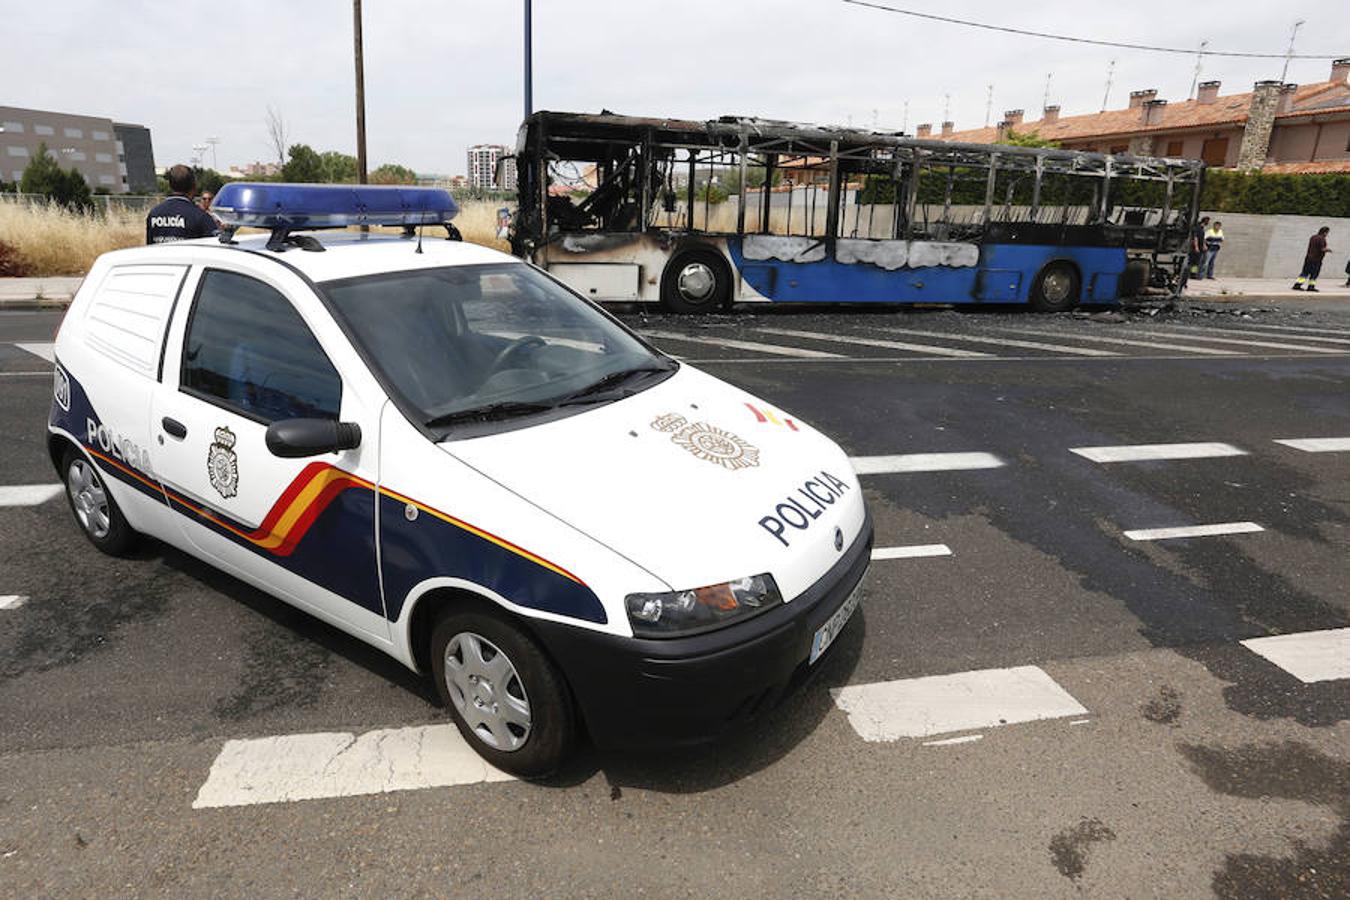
[483, 167]
[116, 157]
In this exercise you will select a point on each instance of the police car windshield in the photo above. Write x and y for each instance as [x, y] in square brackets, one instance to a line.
[490, 342]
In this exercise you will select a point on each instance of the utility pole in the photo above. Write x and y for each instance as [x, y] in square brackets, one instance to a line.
[1110, 71]
[1045, 100]
[1195, 78]
[215, 160]
[904, 123]
[1290, 52]
[361, 175]
[529, 60]
[988, 103]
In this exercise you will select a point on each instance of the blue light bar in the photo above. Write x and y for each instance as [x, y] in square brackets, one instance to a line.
[300, 206]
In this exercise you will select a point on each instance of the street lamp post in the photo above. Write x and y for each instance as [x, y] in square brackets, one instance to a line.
[529, 62]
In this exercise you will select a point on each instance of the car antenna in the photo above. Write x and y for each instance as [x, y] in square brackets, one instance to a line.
[420, 223]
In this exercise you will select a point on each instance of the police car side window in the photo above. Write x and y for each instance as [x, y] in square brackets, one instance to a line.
[247, 349]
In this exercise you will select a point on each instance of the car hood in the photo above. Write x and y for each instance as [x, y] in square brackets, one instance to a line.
[694, 480]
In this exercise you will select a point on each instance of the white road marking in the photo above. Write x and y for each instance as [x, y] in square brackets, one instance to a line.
[1125, 342]
[1138, 452]
[964, 739]
[912, 551]
[1310, 656]
[1307, 348]
[1081, 722]
[28, 494]
[1263, 333]
[46, 350]
[1303, 329]
[756, 346]
[1317, 445]
[12, 601]
[341, 764]
[1189, 531]
[878, 342]
[942, 704]
[1007, 342]
[923, 462]
[46, 374]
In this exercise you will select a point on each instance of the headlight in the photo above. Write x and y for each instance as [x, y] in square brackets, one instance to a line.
[701, 609]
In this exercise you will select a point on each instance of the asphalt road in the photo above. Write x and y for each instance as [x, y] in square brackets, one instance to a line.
[1172, 760]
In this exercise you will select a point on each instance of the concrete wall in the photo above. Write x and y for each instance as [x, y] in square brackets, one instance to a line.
[1274, 246]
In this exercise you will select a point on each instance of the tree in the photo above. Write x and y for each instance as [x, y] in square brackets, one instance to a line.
[1027, 139]
[392, 173]
[210, 180]
[277, 134]
[304, 164]
[44, 176]
[754, 176]
[338, 167]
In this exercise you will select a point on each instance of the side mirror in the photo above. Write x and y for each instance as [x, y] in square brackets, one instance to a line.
[295, 438]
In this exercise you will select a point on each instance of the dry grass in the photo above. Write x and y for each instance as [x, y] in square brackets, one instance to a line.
[48, 240]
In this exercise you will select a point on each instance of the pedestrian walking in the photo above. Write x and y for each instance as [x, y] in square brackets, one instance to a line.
[1213, 244]
[1198, 245]
[177, 218]
[1312, 262]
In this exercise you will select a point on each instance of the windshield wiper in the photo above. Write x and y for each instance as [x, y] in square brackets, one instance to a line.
[504, 410]
[591, 391]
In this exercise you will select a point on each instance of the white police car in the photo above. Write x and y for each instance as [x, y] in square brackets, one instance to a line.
[442, 451]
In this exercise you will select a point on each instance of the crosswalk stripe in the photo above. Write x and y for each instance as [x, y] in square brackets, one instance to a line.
[1262, 332]
[28, 494]
[943, 704]
[1241, 342]
[1189, 531]
[1317, 445]
[878, 342]
[912, 551]
[731, 343]
[1125, 342]
[1309, 656]
[1005, 342]
[1303, 329]
[12, 601]
[341, 764]
[923, 462]
[46, 350]
[1140, 452]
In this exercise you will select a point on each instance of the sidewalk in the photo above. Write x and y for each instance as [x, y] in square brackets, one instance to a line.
[33, 293]
[1332, 284]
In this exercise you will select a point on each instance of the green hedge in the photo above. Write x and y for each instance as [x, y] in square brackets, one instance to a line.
[1269, 194]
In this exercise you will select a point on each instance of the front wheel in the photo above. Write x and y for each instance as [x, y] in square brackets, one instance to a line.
[508, 700]
[1056, 288]
[95, 510]
[696, 280]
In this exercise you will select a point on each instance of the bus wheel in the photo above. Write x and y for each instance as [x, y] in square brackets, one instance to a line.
[1056, 288]
[508, 700]
[695, 281]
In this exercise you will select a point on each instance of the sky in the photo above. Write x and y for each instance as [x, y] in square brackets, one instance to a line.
[443, 75]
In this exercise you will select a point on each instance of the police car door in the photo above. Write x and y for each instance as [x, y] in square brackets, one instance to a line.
[246, 353]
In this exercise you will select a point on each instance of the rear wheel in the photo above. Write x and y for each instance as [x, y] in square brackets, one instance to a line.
[696, 280]
[1056, 288]
[507, 698]
[95, 510]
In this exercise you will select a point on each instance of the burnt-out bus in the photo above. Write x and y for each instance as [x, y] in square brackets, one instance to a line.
[699, 215]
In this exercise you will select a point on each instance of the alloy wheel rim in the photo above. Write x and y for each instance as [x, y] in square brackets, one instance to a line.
[487, 691]
[89, 499]
[1055, 286]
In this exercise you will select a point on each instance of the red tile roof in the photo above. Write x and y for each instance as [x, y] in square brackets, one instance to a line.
[1230, 109]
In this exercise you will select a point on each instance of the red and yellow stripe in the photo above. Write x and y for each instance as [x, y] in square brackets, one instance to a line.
[767, 415]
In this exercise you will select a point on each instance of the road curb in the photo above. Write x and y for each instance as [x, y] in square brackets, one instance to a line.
[61, 301]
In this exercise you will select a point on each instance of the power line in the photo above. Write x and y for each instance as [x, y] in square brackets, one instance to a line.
[1078, 40]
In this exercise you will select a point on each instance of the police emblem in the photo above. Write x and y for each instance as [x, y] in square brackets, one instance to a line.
[61, 388]
[708, 442]
[221, 464]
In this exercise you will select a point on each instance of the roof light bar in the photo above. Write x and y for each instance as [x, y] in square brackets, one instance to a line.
[295, 207]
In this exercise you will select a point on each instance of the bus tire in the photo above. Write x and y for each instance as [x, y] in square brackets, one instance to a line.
[697, 280]
[509, 701]
[1056, 287]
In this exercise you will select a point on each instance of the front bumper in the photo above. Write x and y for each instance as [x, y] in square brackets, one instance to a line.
[638, 692]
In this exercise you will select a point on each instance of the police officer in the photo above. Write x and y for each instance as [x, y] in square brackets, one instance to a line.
[178, 218]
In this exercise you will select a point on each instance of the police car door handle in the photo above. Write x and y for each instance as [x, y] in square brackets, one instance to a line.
[174, 427]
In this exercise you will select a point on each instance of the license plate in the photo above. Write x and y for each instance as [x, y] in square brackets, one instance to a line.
[826, 633]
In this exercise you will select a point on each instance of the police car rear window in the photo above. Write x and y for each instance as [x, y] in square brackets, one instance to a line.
[247, 349]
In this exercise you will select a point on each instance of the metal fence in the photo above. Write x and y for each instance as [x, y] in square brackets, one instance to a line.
[104, 203]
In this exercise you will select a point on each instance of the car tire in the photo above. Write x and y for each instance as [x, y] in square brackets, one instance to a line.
[92, 504]
[697, 280]
[516, 714]
[1056, 288]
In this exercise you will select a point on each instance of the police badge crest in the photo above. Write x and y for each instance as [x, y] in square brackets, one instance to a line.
[708, 442]
[222, 467]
